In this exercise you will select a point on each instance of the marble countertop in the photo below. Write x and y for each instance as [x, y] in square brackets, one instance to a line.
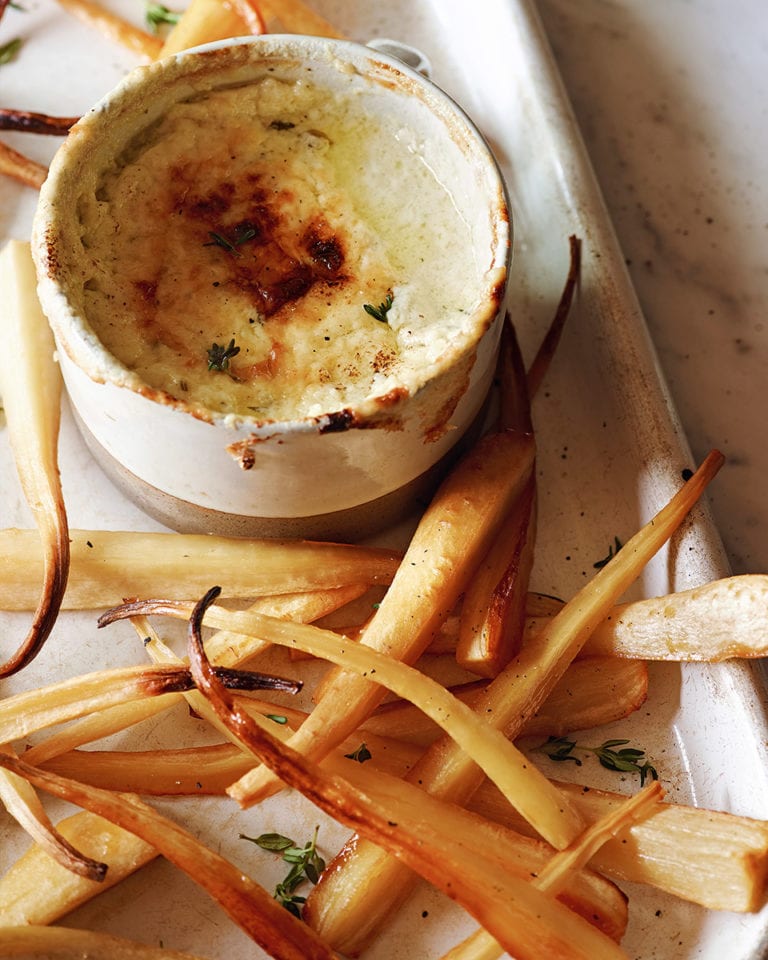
[671, 99]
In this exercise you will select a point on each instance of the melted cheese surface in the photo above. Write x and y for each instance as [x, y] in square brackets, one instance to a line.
[265, 217]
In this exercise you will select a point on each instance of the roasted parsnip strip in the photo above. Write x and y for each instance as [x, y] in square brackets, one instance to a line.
[38, 890]
[114, 28]
[244, 901]
[23, 713]
[107, 565]
[28, 122]
[518, 779]
[23, 804]
[24, 169]
[227, 649]
[204, 21]
[516, 694]
[294, 16]
[452, 537]
[492, 617]
[556, 872]
[527, 923]
[548, 348]
[64, 943]
[715, 859]
[717, 621]
[30, 385]
[593, 691]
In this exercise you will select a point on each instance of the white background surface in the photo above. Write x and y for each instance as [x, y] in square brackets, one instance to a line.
[672, 101]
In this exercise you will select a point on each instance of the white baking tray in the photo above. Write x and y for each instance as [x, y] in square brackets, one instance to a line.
[610, 453]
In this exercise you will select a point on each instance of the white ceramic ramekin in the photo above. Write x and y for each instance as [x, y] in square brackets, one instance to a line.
[342, 472]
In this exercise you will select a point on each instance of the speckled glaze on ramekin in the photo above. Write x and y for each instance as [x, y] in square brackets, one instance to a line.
[344, 473]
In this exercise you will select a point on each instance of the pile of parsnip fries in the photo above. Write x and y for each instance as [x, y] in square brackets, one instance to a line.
[441, 790]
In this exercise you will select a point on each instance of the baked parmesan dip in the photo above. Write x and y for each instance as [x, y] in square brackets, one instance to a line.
[269, 250]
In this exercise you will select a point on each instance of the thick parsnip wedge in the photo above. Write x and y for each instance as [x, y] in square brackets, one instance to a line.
[64, 943]
[38, 890]
[204, 21]
[558, 870]
[108, 565]
[516, 694]
[526, 922]
[113, 27]
[30, 385]
[244, 901]
[715, 859]
[19, 167]
[454, 534]
[718, 621]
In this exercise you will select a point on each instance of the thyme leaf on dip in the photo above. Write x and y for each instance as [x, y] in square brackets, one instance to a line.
[380, 312]
[156, 15]
[219, 355]
[306, 864]
[9, 50]
[626, 760]
[243, 233]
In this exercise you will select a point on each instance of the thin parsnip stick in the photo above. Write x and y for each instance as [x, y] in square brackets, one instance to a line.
[114, 28]
[64, 943]
[593, 691]
[30, 384]
[14, 164]
[29, 122]
[23, 804]
[516, 694]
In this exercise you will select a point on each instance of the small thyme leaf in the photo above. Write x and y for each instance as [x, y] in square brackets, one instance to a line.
[9, 50]
[380, 313]
[612, 551]
[156, 15]
[306, 864]
[626, 760]
[242, 234]
[277, 718]
[361, 754]
[219, 240]
[219, 355]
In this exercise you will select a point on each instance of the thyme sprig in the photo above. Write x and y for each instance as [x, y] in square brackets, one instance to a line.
[380, 313]
[306, 864]
[9, 50]
[158, 15]
[612, 551]
[219, 355]
[626, 760]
